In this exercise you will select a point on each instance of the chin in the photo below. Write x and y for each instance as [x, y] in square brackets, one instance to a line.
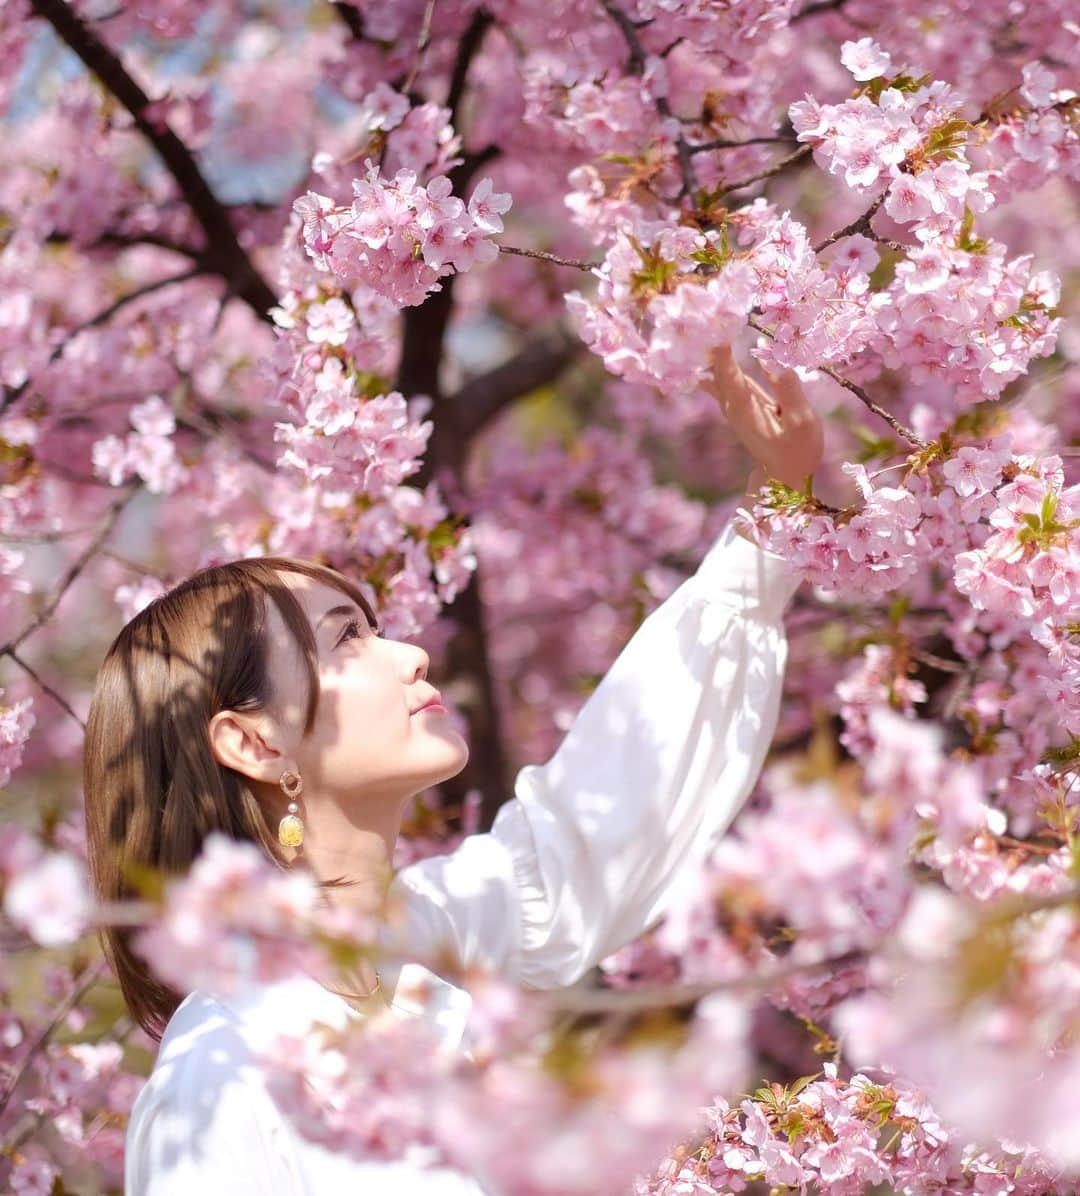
[454, 764]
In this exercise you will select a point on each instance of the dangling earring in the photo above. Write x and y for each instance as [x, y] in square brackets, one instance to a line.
[290, 831]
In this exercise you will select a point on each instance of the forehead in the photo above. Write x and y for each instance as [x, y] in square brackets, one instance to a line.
[315, 597]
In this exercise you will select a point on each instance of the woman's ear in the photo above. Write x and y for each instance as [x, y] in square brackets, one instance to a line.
[237, 741]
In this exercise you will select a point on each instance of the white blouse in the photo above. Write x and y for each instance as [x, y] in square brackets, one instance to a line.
[581, 861]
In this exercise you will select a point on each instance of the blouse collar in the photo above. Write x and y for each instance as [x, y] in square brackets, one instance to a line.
[417, 993]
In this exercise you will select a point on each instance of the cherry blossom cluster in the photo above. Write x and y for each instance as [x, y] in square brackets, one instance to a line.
[902, 132]
[872, 552]
[399, 237]
[1040, 141]
[84, 1093]
[1003, 1065]
[46, 895]
[148, 451]
[574, 1114]
[354, 444]
[235, 919]
[845, 1135]
[655, 317]
[1027, 567]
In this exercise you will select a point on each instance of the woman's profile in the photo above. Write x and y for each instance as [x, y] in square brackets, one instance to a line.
[259, 698]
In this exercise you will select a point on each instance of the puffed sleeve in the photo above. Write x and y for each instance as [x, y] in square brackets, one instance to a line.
[658, 761]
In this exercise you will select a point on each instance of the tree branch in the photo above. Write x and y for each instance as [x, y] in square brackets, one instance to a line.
[421, 46]
[223, 254]
[467, 50]
[719, 143]
[544, 256]
[819, 6]
[352, 17]
[776, 167]
[629, 30]
[540, 360]
[74, 569]
[861, 225]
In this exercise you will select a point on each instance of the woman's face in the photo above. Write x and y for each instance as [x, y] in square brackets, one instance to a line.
[370, 737]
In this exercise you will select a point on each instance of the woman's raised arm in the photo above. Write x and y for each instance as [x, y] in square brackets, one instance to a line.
[658, 761]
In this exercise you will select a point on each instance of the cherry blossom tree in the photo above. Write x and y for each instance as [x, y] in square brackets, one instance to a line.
[433, 292]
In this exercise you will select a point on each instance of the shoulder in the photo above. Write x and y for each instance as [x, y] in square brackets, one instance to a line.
[215, 1038]
[205, 1113]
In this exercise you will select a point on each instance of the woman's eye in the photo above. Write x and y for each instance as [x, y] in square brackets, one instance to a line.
[353, 627]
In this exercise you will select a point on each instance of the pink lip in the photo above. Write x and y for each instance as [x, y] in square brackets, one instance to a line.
[431, 706]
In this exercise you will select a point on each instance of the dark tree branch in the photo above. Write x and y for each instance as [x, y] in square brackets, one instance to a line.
[861, 225]
[539, 361]
[423, 343]
[629, 30]
[768, 173]
[352, 17]
[223, 254]
[130, 241]
[813, 10]
[467, 51]
[719, 143]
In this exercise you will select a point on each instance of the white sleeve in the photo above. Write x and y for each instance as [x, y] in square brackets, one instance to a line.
[207, 1125]
[659, 760]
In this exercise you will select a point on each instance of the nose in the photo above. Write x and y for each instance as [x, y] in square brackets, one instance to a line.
[419, 661]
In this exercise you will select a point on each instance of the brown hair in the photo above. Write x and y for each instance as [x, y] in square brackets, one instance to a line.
[152, 786]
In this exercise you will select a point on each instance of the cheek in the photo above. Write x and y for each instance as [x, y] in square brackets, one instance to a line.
[367, 700]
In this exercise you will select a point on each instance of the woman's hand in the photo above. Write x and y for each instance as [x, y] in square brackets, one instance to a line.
[780, 429]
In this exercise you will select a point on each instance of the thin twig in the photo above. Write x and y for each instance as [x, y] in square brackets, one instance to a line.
[45, 686]
[549, 257]
[901, 431]
[74, 570]
[719, 143]
[861, 225]
[776, 167]
[421, 47]
[102, 317]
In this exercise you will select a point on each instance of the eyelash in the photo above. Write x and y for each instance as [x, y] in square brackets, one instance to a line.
[354, 625]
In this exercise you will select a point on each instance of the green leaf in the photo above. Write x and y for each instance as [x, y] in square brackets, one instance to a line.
[967, 241]
[898, 607]
[1049, 508]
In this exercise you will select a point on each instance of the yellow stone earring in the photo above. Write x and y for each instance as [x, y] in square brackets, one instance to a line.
[290, 831]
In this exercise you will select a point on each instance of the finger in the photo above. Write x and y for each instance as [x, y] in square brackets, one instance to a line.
[789, 389]
[766, 401]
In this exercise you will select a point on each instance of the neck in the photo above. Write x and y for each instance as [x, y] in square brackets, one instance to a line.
[335, 844]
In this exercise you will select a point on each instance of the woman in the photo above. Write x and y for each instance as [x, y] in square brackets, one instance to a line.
[257, 698]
